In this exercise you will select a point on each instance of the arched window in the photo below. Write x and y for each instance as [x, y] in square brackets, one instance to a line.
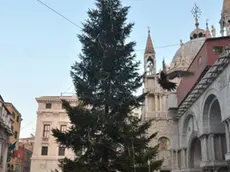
[164, 143]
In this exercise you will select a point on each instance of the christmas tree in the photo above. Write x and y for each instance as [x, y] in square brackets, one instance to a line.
[104, 135]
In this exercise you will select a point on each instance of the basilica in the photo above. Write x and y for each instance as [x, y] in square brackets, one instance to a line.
[193, 122]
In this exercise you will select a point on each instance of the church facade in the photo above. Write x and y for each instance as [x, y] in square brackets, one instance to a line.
[193, 123]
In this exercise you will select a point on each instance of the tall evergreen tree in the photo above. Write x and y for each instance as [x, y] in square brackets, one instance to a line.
[104, 135]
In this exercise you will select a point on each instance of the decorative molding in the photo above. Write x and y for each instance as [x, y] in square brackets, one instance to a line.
[56, 113]
[223, 81]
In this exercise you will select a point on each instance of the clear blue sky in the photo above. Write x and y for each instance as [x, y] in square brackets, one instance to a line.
[37, 47]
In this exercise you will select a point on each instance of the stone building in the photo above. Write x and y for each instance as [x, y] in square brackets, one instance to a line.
[5, 133]
[16, 119]
[46, 151]
[193, 122]
[155, 106]
[28, 142]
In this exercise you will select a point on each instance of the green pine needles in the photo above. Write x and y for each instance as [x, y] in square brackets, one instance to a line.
[104, 135]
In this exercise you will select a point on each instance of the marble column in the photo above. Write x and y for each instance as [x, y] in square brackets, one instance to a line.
[219, 151]
[183, 158]
[227, 133]
[160, 103]
[204, 147]
[212, 147]
[146, 105]
[156, 103]
[177, 166]
[172, 159]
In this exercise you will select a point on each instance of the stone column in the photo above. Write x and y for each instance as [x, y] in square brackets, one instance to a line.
[4, 153]
[204, 147]
[183, 158]
[156, 103]
[226, 124]
[146, 105]
[212, 146]
[172, 159]
[176, 163]
[219, 151]
[160, 103]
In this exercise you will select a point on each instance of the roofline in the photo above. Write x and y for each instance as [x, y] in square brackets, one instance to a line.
[205, 70]
[26, 138]
[1, 98]
[206, 40]
[55, 98]
[4, 104]
[220, 37]
[9, 103]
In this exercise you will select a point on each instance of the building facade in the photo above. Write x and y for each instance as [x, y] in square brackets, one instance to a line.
[155, 106]
[28, 142]
[22, 159]
[46, 151]
[190, 136]
[5, 133]
[16, 125]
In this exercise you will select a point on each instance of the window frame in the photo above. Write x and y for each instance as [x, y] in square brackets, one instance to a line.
[43, 151]
[48, 105]
[46, 132]
[61, 150]
[63, 126]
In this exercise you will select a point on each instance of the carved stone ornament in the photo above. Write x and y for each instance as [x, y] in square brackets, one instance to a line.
[223, 81]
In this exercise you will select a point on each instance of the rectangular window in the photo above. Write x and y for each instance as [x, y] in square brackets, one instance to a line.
[217, 49]
[61, 150]
[13, 114]
[63, 128]
[46, 130]
[44, 150]
[15, 134]
[48, 105]
[17, 118]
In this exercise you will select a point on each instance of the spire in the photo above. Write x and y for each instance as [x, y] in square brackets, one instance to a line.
[198, 32]
[149, 45]
[196, 12]
[207, 32]
[164, 65]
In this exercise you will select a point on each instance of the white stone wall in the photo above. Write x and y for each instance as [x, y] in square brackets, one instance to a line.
[5, 132]
[197, 122]
[55, 116]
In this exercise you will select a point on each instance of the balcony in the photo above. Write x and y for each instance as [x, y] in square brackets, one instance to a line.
[172, 101]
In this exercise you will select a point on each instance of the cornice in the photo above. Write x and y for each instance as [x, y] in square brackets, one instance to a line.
[56, 99]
